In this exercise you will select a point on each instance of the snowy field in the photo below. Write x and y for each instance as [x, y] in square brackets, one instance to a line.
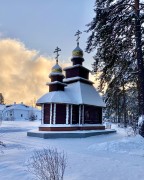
[104, 157]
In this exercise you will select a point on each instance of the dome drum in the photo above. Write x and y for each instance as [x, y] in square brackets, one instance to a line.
[56, 78]
[77, 60]
[77, 56]
[56, 87]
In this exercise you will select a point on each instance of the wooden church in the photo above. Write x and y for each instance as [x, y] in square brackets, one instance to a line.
[72, 102]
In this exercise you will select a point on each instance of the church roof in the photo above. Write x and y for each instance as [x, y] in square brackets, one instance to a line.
[74, 93]
[55, 97]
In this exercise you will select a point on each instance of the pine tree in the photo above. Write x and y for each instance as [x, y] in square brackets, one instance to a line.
[1, 99]
[113, 37]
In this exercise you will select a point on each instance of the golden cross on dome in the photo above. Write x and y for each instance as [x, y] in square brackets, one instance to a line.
[78, 36]
[57, 54]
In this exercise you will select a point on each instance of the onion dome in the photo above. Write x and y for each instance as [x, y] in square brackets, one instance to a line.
[56, 70]
[77, 52]
[77, 56]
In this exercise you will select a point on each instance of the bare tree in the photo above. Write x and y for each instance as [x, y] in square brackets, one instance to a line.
[47, 164]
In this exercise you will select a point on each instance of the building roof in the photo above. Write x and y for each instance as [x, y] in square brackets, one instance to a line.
[74, 93]
[55, 97]
[77, 78]
[19, 107]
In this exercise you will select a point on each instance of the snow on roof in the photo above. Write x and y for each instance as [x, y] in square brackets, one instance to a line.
[55, 74]
[84, 94]
[56, 82]
[19, 107]
[74, 93]
[76, 78]
[55, 97]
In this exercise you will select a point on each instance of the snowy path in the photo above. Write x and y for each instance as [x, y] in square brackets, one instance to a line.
[105, 157]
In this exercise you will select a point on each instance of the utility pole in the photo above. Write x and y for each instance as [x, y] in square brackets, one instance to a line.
[140, 62]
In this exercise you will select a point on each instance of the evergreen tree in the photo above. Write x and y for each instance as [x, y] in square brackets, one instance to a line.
[113, 37]
[1, 99]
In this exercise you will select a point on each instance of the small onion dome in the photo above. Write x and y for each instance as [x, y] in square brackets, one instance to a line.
[56, 70]
[77, 52]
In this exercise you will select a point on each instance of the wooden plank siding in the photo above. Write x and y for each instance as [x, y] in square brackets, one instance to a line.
[56, 78]
[77, 71]
[46, 113]
[56, 87]
[75, 114]
[92, 115]
[60, 113]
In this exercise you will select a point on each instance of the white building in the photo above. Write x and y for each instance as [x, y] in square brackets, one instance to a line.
[2, 107]
[21, 111]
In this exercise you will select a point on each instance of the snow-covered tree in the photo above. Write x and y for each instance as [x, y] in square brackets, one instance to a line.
[1, 99]
[141, 126]
[113, 39]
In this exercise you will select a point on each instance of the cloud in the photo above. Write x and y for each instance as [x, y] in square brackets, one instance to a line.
[23, 72]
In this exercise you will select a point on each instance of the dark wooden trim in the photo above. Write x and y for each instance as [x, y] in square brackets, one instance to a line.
[77, 71]
[60, 113]
[77, 60]
[56, 87]
[75, 116]
[80, 80]
[69, 114]
[46, 114]
[92, 114]
[56, 78]
[72, 128]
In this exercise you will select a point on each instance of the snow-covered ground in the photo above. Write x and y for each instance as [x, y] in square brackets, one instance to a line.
[105, 157]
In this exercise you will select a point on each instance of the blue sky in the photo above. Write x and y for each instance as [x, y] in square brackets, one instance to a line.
[44, 24]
